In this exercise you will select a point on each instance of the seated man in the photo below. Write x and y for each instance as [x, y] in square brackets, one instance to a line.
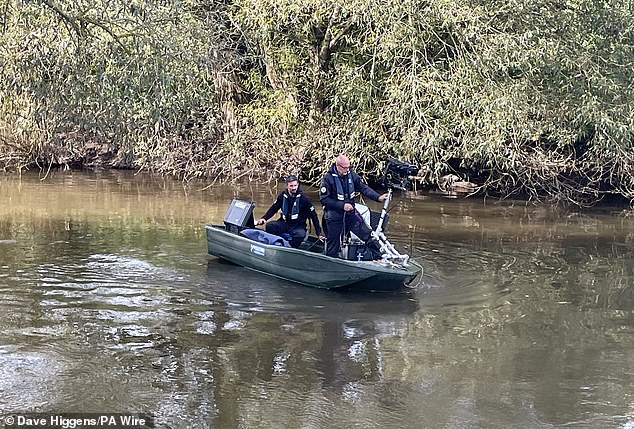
[296, 209]
[339, 188]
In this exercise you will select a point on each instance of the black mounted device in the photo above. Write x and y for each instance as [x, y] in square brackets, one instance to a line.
[398, 175]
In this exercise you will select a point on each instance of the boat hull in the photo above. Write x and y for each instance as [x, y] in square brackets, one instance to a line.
[308, 267]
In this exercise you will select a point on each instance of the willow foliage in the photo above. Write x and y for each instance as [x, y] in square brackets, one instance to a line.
[127, 81]
[530, 97]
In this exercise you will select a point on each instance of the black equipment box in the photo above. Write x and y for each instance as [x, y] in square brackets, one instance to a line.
[358, 252]
[239, 216]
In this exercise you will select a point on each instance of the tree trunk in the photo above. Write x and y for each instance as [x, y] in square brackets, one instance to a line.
[325, 43]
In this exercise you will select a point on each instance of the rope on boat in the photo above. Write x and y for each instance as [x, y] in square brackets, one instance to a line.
[420, 279]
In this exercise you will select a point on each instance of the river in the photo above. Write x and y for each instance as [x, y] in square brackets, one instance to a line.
[109, 303]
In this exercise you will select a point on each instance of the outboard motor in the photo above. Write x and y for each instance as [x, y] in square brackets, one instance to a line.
[398, 175]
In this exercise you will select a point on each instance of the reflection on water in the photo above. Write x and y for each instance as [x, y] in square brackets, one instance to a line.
[258, 292]
[108, 303]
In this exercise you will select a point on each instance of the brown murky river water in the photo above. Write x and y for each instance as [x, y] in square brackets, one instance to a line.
[109, 303]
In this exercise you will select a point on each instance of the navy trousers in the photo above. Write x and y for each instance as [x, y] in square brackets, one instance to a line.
[351, 222]
[297, 233]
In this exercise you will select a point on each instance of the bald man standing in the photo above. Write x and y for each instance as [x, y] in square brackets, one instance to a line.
[337, 193]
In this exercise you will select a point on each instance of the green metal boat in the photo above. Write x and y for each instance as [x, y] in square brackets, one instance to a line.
[307, 265]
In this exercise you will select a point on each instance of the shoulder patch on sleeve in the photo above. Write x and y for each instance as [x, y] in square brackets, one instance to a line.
[323, 190]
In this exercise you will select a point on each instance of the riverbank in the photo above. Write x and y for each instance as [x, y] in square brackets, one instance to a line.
[463, 190]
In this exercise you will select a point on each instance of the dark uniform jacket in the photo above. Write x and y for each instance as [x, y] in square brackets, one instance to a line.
[295, 210]
[334, 195]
